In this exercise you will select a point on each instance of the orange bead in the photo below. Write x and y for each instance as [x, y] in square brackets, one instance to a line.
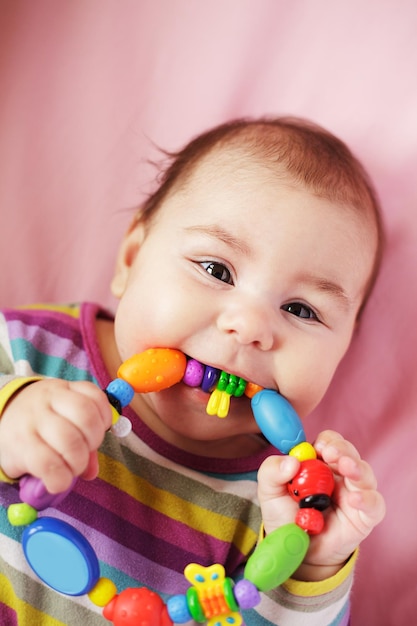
[154, 369]
[251, 389]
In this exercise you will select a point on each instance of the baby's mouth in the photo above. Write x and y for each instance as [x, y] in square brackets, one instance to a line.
[156, 369]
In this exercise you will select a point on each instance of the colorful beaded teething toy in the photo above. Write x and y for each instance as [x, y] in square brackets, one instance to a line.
[65, 561]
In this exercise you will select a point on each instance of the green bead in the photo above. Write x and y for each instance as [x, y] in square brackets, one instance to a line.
[232, 384]
[229, 595]
[277, 557]
[21, 514]
[241, 386]
[223, 381]
[194, 605]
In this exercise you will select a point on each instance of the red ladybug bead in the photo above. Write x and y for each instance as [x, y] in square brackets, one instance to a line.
[314, 478]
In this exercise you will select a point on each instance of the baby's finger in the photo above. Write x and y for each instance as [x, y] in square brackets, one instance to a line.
[66, 440]
[80, 409]
[92, 468]
[358, 474]
[370, 506]
[331, 446]
[98, 397]
[48, 465]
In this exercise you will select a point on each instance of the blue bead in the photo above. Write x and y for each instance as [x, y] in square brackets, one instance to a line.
[211, 376]
[121, 390]
[277, 420]
[177, 608]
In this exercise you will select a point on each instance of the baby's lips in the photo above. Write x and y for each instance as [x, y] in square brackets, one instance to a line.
[154, 369]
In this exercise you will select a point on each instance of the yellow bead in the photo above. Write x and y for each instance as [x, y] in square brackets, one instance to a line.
[115, 415]
[6, 479]
[102, 592]
[218, 404]
[303, 451]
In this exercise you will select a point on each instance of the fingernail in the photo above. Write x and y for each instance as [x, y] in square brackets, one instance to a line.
[289, 464]
[332, 453]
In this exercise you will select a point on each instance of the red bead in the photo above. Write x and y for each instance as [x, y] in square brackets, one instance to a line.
[310, 520]
[314, 477]
[137, 607]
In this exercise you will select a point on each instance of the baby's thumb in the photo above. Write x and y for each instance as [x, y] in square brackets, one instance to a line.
[273, 476]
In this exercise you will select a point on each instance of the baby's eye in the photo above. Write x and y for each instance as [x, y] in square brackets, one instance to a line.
[300, 310]
[218, 270]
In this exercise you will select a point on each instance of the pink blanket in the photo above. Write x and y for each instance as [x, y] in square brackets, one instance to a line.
[88, 88]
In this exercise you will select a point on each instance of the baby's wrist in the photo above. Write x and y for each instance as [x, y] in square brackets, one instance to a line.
[12, 387]
[308, 572]
[8, 391]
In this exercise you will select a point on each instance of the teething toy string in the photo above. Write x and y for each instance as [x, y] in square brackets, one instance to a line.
[65, 561]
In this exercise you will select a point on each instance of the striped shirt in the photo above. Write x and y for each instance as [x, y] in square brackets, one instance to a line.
[153, 508]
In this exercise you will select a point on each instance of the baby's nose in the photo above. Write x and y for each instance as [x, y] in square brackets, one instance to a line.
[250, 321]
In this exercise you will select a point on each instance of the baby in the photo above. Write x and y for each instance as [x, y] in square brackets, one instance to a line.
[256, 255]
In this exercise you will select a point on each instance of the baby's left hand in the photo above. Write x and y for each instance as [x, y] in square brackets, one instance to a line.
[357, 507]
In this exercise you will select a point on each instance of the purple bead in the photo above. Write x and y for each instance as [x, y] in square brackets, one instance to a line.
[246, 594]
[33, 492]
[211, 376]
[194, 373]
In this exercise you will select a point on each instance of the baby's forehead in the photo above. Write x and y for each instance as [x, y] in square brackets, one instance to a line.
[237, 164]
[237, 160]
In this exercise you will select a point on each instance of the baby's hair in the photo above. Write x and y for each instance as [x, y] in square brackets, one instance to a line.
[288, 146]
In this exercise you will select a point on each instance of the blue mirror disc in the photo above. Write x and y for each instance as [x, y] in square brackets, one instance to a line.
[61, 556]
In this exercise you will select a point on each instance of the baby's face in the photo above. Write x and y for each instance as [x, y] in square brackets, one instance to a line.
[249, 274]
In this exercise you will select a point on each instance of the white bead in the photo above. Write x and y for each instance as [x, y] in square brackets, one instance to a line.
[122, 427]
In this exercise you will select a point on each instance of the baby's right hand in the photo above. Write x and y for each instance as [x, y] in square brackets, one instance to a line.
[52, 429]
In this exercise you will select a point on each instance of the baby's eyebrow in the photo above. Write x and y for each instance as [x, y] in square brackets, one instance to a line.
[219, 232]
[328, 287]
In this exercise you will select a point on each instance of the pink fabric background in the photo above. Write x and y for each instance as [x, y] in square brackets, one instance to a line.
[87, 87]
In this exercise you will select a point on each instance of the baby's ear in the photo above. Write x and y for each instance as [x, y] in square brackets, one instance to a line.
[128, 250]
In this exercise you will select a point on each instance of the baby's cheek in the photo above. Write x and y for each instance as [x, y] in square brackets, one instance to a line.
[305, 399]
